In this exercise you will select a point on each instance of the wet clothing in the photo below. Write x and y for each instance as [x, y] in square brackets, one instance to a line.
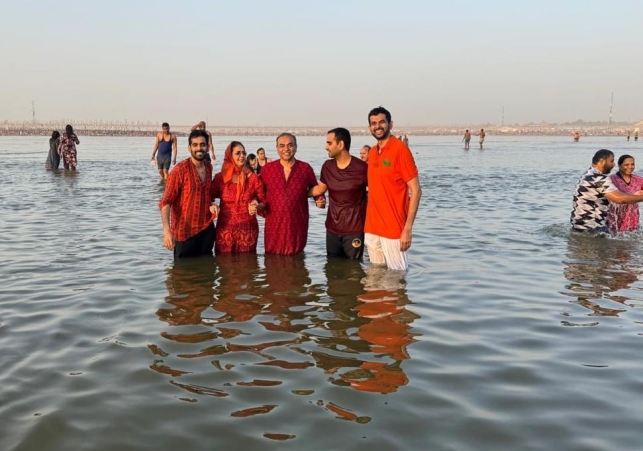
[69, 150]
[347, 246]
[53, 159]
[237, 230]
[590, 206]
[189, 199]
[198, 245]
[624, 217]
[347, 209]
[286, 229]
[164, 150]
[164, 163]
[388, 195]
[386, 251]
[347, 196]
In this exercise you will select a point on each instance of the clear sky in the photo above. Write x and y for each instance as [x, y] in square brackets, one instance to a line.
[287, 62]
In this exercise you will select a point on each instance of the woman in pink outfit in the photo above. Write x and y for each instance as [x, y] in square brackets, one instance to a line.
[625, 217]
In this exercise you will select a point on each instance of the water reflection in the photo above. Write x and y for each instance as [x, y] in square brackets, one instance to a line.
[231, 316]
[597, 268]
[369, 332]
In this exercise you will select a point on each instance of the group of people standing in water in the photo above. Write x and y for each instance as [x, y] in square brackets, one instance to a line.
[373, 204]
[605, 204]
[62, 147]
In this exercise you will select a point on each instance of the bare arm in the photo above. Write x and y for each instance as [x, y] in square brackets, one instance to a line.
[194, 127]
[414, 203]
[156, 146]
[619, 197]
[168, 238]
[174, 149]
[211, 147]
[317, 190]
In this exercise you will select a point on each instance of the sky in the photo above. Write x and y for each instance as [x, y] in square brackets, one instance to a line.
[324, 63]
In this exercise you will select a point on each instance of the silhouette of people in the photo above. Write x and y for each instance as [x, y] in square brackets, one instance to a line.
[467, 139]
[53, 159]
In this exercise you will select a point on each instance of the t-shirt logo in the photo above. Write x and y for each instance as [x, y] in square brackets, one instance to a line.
[386, 163]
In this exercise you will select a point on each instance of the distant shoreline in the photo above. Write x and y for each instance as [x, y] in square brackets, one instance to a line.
[150, 131]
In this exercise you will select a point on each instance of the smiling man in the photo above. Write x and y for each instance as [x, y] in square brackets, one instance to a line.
[594, 191]
[345, 178]
[188, 229]
[393, 197]
[288, 182]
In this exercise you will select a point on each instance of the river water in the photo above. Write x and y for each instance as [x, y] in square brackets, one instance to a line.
[507, 332]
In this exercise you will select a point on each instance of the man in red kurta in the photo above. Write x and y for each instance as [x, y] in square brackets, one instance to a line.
[289, 183]
[188, 229]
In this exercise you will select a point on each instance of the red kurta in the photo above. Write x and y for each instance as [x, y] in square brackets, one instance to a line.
[286, 230]
[237, 230]
[189, 200]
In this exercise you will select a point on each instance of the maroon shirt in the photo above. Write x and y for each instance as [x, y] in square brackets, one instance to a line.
[189, 200]
[286, 229]
[347, 194]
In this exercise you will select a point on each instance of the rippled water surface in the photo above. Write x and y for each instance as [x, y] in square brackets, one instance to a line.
[507, 332]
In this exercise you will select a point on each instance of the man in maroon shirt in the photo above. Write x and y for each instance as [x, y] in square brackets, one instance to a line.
[345, 178]
[188, 229]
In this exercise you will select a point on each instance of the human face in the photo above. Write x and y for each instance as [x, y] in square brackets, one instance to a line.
[261, 154]
[166, 130]
[608, 164]
[363, 153]
[332, 146]
[239, 156]
[198, 148]
[379, 127]
[627, 167]
[286, 148]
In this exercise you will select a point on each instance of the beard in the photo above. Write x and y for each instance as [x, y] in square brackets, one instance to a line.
[384, 131]
[198, 155]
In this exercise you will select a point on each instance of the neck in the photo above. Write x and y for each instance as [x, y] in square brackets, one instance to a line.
[343, 159]
[625, 176]
[198, 163]
[382, 142]
[287, 163]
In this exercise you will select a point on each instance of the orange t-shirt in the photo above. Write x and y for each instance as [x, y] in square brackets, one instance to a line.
[388, 194]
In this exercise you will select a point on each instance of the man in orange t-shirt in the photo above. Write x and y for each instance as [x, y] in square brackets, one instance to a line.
[390, 213]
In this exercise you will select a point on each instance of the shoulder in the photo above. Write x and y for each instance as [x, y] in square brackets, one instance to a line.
[358, 163]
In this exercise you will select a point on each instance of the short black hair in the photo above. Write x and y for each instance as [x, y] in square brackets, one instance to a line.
[602, 154]
[290, 135]
[377, 111]
[165, 124]
[198, 133]
[342, 134]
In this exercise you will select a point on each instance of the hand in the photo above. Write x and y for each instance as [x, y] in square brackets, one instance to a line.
[214, 209]
[168, 240]
[174, 162]
[405, 240]
[320, 202]
[252, 208]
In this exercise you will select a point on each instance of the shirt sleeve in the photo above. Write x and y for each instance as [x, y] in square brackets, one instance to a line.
[408, 168]
[606, 186]
[171, 188]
